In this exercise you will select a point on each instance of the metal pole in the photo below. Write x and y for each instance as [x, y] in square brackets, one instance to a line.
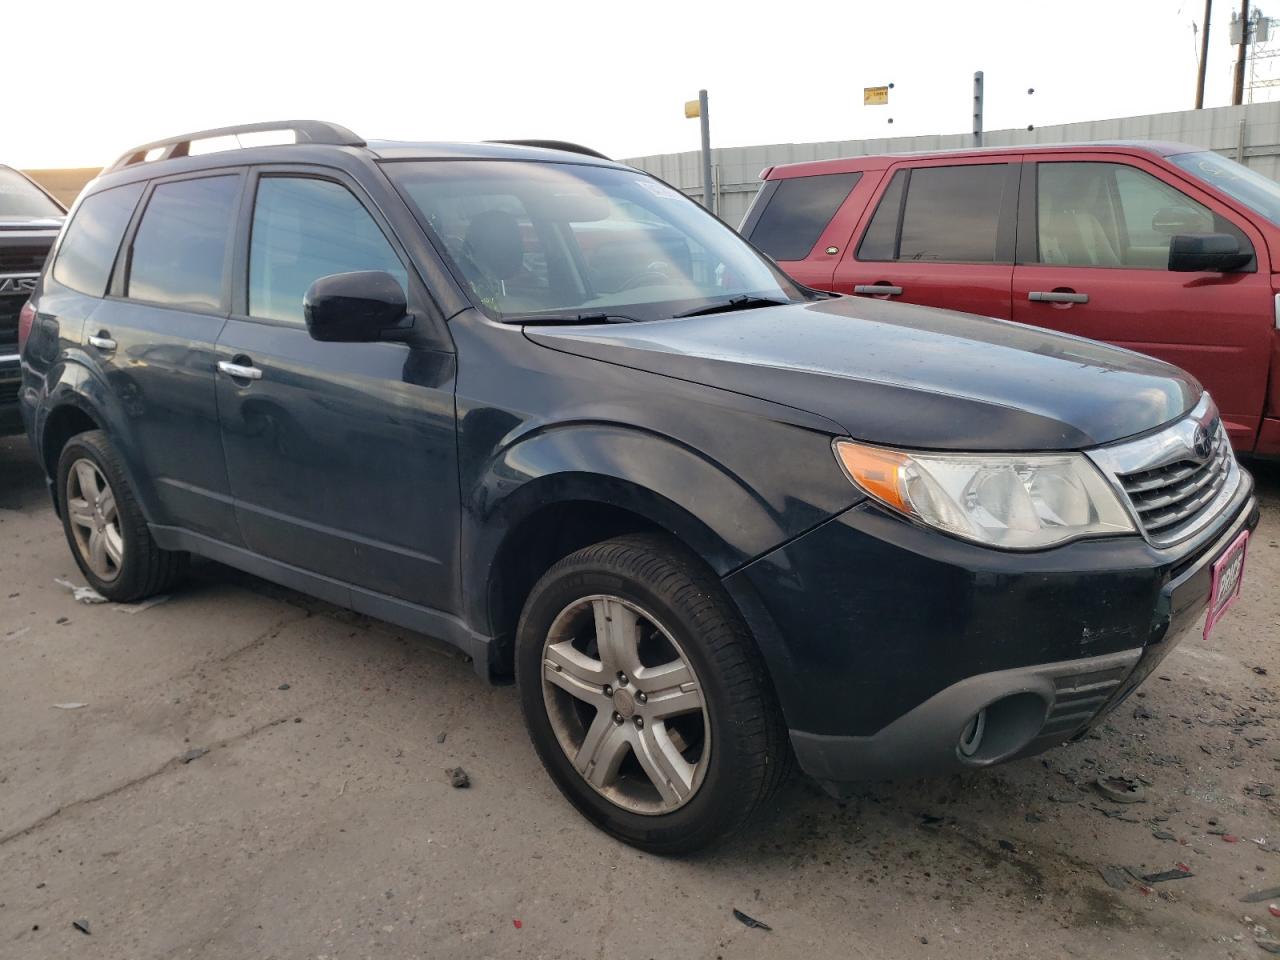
[1204, 55]
[977, 108]
[1242, 53]
[706, 152]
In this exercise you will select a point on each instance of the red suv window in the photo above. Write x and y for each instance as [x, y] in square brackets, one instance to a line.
[798, 212]
[939, 214]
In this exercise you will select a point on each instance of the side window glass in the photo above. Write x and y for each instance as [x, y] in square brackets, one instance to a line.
[180, 248]
[93, 239]
[305, 229]
[1114, 215]
[798, 212]
[880, 242]
[952, 214]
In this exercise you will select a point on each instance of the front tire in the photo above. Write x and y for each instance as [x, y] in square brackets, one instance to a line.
[104, 526]
[646, 698]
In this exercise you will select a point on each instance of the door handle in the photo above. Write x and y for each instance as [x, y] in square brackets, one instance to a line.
[879, 289]
[237, 371]
[1057, 296]
[102, 342]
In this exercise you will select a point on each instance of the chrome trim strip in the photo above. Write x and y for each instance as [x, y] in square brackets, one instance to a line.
[1175, 442]
[10, 357]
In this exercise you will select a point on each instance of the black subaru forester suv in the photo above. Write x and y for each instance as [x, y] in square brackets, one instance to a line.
[543, 406]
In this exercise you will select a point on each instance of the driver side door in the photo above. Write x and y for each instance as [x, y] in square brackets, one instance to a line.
[1093, 249]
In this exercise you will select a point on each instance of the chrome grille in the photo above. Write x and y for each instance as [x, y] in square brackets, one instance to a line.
[1177, 480]
[1168, 496]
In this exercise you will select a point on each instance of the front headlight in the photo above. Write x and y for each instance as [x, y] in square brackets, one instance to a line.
[1013, 501]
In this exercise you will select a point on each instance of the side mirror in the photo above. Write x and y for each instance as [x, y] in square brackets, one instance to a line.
[362, 307]
[1218, 252]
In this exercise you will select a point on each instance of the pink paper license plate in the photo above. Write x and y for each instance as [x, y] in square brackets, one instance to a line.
[1228, 574]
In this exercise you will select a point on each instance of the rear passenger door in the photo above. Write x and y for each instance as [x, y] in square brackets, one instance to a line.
[1093, 260]
[153, 337]
[803, 224]
[341, 456]
[941, 233]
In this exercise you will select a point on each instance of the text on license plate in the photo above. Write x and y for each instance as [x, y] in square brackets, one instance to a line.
[1228, 573]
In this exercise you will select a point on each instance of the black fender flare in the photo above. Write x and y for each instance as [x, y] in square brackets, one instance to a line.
[717, 514]
[72, 384]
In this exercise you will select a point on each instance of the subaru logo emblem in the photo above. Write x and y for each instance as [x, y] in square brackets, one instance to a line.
[1203, 446]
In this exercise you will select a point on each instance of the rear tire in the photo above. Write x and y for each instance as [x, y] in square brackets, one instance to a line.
[680, 748]
[104, 526]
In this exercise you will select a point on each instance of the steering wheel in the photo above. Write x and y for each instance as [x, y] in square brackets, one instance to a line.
[655, 273]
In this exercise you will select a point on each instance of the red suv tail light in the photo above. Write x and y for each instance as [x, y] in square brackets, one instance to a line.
[26, 317]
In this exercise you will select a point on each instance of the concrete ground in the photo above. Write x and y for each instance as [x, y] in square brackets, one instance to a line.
[321, 823]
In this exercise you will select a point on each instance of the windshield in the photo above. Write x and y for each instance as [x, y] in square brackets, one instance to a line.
[563, 240]
[21, 199]
[1258, 193]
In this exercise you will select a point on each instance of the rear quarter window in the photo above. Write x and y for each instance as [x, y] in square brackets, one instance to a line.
[798, 212]
[93, 237]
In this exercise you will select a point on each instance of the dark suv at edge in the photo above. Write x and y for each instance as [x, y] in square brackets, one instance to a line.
[541, 405]
[29, 224]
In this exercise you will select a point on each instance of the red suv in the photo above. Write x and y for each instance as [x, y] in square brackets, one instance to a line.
[1164, 248]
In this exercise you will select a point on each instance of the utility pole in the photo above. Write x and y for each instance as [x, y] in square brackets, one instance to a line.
[1204, 55]
[708, 200]
[698, 108]
[977, 107]
[1242, 53]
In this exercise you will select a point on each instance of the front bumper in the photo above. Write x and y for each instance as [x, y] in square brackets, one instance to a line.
[884, 639]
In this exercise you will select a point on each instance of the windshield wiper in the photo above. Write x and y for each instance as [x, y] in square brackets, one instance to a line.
[580, 318]
[733, 303]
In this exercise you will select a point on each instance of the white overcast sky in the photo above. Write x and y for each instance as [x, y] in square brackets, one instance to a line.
[611, 74]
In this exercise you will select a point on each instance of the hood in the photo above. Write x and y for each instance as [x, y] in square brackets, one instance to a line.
[905, 375]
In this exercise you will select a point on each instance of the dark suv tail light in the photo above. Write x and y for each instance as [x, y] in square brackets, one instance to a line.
[26, 317]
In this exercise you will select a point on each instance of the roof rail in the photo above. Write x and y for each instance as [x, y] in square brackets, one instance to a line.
[564, 145]
[306, 131]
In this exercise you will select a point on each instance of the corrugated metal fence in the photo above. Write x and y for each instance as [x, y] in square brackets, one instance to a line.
[1249, 133]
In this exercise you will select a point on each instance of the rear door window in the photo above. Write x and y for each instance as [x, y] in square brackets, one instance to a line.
[798, 212]
[948, 215]
[93, 238]
[179, 253]
[305, 229]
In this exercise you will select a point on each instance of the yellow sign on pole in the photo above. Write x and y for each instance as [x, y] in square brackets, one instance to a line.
[691, 109]
[875, 96]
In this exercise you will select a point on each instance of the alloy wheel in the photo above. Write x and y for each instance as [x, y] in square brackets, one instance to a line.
[626, 705]
[95, 520]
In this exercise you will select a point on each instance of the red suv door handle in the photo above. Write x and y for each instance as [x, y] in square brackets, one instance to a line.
[878, 289]
[1057, 296]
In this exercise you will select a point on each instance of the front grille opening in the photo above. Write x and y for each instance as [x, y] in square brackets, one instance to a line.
[1171, 497]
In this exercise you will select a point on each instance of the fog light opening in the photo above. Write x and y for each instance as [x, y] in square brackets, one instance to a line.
[1002, 728]
[971, 738]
